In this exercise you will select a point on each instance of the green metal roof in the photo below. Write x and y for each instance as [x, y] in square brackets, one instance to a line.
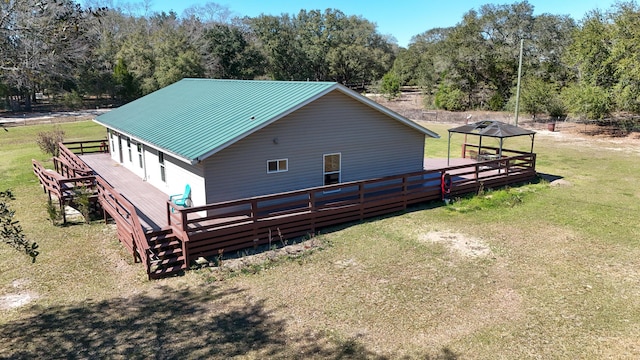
[195, 118]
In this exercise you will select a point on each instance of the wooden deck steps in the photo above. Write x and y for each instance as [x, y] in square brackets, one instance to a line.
[166, 257]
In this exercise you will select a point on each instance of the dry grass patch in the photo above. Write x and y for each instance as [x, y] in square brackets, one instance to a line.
[414, 302]
[462, 244]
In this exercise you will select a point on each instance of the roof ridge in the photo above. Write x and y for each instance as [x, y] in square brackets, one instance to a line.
[262, 81]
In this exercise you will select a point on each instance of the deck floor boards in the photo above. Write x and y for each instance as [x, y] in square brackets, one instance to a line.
[150, 202]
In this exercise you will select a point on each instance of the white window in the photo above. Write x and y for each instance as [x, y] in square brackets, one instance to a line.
[140, 154]
[276, 166]
[332, 169]
[163, 176]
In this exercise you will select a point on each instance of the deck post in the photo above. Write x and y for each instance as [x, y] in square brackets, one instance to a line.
[168, 208]
[312, 210]
[404, 192]
[185, 238]
[361, 191]
[254, 217]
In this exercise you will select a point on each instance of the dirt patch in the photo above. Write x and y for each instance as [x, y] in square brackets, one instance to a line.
[19, 297]
[462, 244]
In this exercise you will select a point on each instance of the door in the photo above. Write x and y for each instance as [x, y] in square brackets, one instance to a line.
[120, 148]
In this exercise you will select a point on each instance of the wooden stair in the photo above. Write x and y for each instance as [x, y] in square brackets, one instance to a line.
[165, 255]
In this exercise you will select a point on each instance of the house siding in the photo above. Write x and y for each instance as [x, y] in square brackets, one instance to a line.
[178, 174]
[371, 145]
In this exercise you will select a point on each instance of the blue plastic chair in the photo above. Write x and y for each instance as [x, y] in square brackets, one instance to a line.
[183, 199]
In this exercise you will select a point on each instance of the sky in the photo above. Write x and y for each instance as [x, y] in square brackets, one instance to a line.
[401, 19]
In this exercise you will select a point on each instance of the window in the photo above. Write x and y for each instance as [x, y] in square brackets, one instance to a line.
[332, 169]
[140, 154]
[163, 176]
[275, 166]
[112, 142]
[129, 148]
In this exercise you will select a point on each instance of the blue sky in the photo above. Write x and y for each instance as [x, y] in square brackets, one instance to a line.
[400, 18]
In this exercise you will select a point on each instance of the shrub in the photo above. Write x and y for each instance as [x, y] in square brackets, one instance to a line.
[10, 229]
[82, 198]
[48, 141]
[55, 214]
[586, 101]
[72, 100]
[496, 102]
[449, 98]
[390, 85]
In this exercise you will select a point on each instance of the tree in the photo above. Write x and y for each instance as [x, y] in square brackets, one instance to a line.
[232, 56]
[390, 85]
[625, 47]
[278, 42]
[479, 56]
[539, 96]
[587, 101]
[449, 98]
[175, 58]
[127, 87]
[43, 43]
[322, 46]
[590, 51]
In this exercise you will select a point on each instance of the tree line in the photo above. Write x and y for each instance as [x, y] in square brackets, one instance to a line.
[59, 46]
[588, 68]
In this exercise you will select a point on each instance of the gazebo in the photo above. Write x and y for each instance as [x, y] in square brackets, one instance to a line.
[489, 128]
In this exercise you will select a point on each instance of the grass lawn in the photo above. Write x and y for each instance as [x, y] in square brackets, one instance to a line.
[535, 272]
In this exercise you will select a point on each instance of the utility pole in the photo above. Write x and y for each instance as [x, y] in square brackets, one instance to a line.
[519, 76]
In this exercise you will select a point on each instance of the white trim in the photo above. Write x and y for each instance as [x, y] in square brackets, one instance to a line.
[278, 170]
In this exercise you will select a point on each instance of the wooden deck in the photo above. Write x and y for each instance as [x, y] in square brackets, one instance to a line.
[150, 203]
[167, 241]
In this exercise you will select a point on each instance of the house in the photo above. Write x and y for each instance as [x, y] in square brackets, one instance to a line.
[231, 139]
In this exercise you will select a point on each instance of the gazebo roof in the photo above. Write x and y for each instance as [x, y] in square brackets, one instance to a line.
[491, 128]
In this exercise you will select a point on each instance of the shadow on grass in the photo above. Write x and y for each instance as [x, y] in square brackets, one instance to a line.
[206, 323]
[548, 177]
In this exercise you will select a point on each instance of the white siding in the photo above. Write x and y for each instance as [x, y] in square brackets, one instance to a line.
[370, 143]
[178, 174]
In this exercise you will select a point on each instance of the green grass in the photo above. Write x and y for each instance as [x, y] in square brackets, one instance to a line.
[561, 280]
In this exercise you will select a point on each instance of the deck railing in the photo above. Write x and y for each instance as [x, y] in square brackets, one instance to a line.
[62, 182]
[232, 225]
[130, 231]
[70, 160]
[473, 151]
[88, 146]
